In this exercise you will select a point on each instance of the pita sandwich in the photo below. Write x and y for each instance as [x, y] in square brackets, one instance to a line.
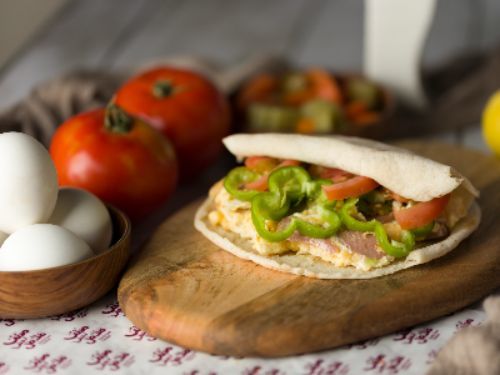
[336, 207]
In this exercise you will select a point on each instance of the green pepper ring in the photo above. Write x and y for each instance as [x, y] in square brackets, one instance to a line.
[291, 184]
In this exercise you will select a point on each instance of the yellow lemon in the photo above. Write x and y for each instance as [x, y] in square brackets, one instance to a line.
[491, 122]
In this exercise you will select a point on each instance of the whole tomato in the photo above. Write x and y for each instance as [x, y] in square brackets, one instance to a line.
[121, 159]
[186, 107]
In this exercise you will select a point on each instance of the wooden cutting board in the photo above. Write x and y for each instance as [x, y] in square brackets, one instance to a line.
[183, 289]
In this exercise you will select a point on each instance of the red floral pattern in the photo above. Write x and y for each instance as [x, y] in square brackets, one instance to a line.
[100, 339]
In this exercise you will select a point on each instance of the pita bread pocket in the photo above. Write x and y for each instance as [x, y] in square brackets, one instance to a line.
[336, 207]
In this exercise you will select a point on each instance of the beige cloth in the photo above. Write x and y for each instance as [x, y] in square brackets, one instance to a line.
[474, 350]
[52, 102]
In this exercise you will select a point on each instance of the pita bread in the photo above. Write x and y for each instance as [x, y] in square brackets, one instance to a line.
[407, 174]
[308, 265]
[401, 171]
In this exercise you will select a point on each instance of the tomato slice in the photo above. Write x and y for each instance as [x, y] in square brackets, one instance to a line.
[351, 188]
[422, 213]
[335, 174]
[288, 163]
[261, 183]
[261, 164]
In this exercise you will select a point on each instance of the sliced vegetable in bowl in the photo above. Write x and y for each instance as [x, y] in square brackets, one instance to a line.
[311, 101]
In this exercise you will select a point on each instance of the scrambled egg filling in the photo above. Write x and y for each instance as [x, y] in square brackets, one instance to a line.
[234, 215]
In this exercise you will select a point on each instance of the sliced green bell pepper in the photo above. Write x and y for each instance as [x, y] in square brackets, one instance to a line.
[235, 181]
[263, 206]
[319, 231]
[352, 223]
[266, 206]
[289, 185]
[272, 236]
[314, 191]
[392, 248]
[290, 182]
[270, 206]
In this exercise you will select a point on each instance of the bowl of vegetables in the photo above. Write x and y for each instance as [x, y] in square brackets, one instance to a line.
[312, 101]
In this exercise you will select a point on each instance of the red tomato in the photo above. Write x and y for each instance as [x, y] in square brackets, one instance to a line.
[351, 188]
[421, 213]
[185, 107]
[132, 167]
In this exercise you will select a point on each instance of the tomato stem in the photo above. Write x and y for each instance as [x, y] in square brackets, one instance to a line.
[117, 120]
[162, 88]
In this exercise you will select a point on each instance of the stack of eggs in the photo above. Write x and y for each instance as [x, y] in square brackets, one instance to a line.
[42, 226]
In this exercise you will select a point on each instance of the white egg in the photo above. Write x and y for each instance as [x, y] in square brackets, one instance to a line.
[28, 188]
[41, 246]
[85, 215]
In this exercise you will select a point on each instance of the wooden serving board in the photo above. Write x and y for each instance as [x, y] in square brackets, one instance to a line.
[183, 289]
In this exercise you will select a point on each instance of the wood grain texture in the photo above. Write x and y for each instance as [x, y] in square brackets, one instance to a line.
[52, 291]
[185, 290]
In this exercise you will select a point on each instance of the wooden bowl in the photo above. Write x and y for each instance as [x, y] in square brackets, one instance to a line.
[378, 129]
[53, 291]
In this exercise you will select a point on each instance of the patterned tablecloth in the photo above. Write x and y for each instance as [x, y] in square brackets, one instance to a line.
[100, 339]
